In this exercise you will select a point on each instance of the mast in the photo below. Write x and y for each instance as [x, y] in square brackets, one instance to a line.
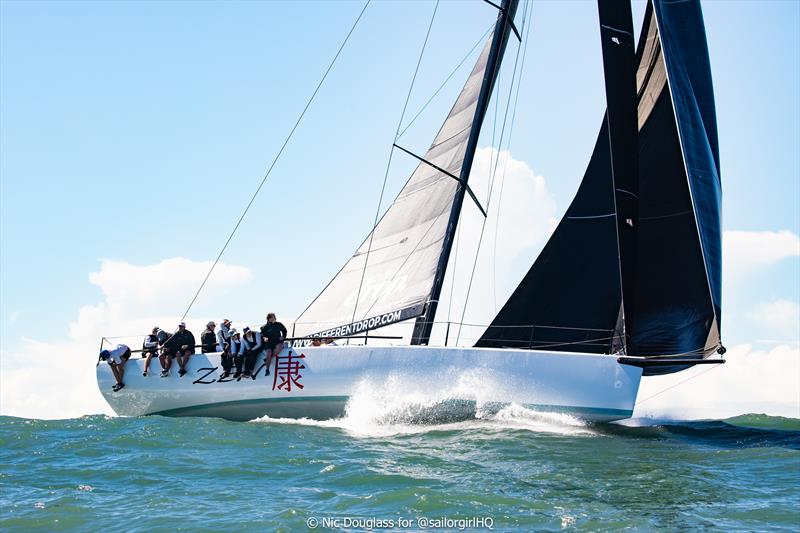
[619, 65]
[508, 8]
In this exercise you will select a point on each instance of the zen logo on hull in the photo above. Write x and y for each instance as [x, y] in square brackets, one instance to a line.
[287, 373]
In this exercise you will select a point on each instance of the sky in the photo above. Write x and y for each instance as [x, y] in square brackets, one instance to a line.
[132, 135]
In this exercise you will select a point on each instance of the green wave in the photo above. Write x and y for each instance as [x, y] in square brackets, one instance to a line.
[762, 421]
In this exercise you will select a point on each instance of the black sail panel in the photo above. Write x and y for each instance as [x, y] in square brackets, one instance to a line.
[685, 50]
[619, 66]
[572, 299]
[679, 260]
[572, 292]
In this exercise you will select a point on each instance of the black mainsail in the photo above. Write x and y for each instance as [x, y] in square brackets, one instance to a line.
[652, 262]
[397, 272]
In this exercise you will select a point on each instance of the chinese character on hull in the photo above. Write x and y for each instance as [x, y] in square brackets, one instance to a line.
[287, 369]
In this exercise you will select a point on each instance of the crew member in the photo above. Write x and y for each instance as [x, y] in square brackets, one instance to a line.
[236, 352]
[223, 335]
[253, 347]
[116, 359]
[167, 353]
[273, 333]
[208, 339]
[150, 348]
[182, 342]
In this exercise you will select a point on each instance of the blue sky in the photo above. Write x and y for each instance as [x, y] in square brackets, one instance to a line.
[136, 132]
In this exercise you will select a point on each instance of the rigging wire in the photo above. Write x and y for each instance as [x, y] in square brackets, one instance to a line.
[453, 277]
[678, 383]
[489, 199]
[493, 170]
[447, 79]
[277, 156]
[389, 162]
[503, 176]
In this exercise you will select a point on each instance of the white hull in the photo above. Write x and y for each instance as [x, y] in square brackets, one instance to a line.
[592, 387]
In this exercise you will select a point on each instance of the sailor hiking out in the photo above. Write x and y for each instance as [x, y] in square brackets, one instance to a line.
[116, 359]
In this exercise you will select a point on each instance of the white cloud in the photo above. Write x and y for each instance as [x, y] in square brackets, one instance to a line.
[781, 317]
[751, 381]
[522, 209]
[747, 251]
[57, 379]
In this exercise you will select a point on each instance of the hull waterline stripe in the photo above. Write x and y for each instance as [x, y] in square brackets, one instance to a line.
[623, 413]
[298, 399]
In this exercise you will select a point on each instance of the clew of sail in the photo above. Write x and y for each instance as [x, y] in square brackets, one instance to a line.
[399, 260]
[669, 267]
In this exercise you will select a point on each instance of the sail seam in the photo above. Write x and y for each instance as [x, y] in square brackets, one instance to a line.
[671, 215]
[592, 216]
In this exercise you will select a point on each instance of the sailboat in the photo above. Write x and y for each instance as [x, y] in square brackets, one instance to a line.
[628, 285]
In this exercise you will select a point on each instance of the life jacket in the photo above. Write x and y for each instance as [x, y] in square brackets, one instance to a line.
[150, 339]
[208, 339]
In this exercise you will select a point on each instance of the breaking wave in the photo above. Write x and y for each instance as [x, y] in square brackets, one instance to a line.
[405, 405]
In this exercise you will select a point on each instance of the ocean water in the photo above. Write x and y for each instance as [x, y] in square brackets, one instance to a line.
[400, 468]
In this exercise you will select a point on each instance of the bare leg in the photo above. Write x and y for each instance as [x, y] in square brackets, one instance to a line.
[183, 360]
[147, 363]
[268, 358]
[115, 370]
[166, 362]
